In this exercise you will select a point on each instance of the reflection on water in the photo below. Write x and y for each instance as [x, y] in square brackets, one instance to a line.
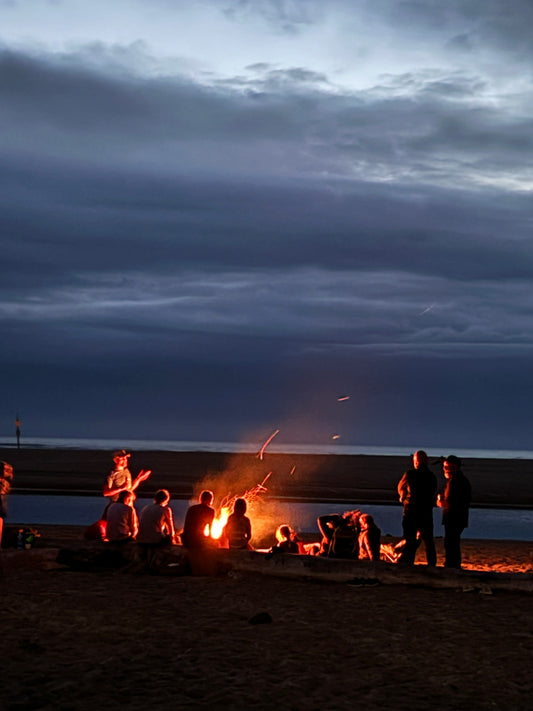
[503, 524]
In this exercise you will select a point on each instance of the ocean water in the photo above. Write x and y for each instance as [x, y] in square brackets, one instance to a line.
[501, 524]
[251, 447]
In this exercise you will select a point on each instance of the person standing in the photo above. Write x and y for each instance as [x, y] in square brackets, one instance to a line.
[417, 490]
[120, 479]
[198, 520]
[455, 504]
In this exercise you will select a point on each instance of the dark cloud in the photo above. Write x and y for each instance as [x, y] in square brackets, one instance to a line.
[186, 259]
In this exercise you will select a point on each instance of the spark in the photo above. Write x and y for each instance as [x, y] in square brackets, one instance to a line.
[262, 451]
[336, 437]
[343, 398]
[292, 470]
[429, 308]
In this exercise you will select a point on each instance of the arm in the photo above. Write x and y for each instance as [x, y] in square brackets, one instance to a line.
[403, 488]
[169, 523]
[134, 523]
[112, 489]
[141, 476]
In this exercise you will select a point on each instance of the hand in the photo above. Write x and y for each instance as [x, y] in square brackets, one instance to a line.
[144, 474]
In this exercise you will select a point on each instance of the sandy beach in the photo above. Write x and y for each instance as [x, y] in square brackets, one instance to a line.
[74, 640]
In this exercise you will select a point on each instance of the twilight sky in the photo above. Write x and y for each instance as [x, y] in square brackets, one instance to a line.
[218, 217]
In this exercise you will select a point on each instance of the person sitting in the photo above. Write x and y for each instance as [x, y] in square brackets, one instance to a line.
[340, 534]
[156, 522]
[369, 538]
[238, 530]
[122, 521]
[288, 541]
[198, 520]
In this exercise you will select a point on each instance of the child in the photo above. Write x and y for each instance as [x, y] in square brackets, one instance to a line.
[238, 529]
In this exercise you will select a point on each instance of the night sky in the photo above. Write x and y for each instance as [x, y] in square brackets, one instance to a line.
[219, 217]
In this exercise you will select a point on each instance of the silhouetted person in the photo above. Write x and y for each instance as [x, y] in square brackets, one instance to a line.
[288, 541]
[455, 504]
[369, 538]
[238, 529]
[340, 534]
[417, 490]
[198, 517]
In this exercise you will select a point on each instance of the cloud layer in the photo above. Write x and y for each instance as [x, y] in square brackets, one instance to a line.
[209, 237]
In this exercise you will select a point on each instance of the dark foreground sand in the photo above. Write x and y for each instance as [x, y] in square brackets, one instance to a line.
[78, 640]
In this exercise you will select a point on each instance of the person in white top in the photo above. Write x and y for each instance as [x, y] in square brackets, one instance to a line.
[156, 522]
[122, 522]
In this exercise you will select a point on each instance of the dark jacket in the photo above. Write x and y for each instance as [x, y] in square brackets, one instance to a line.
[418, 489]
[456, 501]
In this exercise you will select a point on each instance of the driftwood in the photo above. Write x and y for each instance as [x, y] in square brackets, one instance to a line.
[362, 573]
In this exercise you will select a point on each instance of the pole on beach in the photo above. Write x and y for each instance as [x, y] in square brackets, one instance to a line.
[17, 430]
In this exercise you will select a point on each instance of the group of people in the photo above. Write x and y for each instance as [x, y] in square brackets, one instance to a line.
[352, 534]
[417, 490]
[154, 527]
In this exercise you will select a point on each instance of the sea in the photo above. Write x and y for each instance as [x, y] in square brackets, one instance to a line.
[502, 524]
[329, 447]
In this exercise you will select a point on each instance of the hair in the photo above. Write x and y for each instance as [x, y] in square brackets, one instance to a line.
[239, 507]
[206, 497]
[123, 496]
[285, 530]
[161, 496]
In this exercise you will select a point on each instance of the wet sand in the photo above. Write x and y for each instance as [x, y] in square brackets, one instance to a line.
[360, 478]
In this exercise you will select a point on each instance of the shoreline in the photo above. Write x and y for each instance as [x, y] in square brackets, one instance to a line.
[496, 483]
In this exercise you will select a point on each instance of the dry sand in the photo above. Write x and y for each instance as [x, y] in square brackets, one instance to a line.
[74, 640]
[78, 640]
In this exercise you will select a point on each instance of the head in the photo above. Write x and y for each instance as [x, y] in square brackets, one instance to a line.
[239, 507]
[120, 457]
[366, 521]
[162, 497]
[126, 497]
[283, 533]
[420, 458]
[352, 517]
[206, 497]
[451, 464]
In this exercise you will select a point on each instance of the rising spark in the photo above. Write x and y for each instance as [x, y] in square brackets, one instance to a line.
[343, 398]
[262, 450]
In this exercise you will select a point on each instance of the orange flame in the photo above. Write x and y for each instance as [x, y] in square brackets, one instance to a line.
[226, 507]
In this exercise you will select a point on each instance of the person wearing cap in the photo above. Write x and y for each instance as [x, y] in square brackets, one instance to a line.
[455, 503]
[417, 490]
[120, 479]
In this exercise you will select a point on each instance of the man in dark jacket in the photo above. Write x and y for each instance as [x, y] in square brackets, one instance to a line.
[417, 490]
[455, 504]
[198, 519]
